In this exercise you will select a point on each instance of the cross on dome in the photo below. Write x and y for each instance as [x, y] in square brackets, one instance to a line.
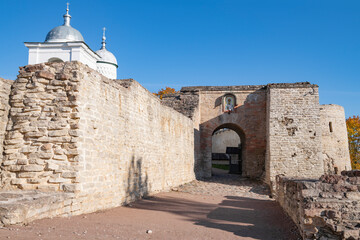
[103, 39]
[67, 16]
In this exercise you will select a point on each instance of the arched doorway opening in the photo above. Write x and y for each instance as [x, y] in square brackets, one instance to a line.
[228, 146]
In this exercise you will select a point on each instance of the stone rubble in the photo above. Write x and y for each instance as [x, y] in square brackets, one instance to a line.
[328, 208]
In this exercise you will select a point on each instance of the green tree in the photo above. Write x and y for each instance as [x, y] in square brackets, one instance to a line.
[353, 129]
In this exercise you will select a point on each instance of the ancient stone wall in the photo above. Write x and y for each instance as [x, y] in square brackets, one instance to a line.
[335, 146]
[5, 86]
[131, 145]
[107, 141]
[328, 208]
[41, 139]
[293, 131]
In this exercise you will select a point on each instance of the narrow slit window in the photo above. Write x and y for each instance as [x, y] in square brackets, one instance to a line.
[330, 127]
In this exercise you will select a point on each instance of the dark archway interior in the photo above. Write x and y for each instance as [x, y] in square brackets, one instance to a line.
[231, 156]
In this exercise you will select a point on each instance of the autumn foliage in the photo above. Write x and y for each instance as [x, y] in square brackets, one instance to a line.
[353, 129]
[165, 91]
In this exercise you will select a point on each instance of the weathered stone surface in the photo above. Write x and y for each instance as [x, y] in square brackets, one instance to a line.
[32, 168]
[111, 141]
[335, 149]
[73, 130]
[323, 209]
[45, 74]
[20, 207]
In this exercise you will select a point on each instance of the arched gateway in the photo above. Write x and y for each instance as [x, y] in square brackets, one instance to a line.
[228, 147]
[240, 108]
[283, 128]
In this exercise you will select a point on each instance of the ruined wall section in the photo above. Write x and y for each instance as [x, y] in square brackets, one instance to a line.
[131, 145]
[328, 208]
[106, 141]
[5, 87]
[335, 148]
[41, 137]
[293, 131]
[185, 102]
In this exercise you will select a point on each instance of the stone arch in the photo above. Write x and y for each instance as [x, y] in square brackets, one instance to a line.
[206, 133]
[241, 135]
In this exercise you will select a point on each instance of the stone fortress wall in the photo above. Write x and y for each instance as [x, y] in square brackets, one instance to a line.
[281, 126]
[293, 131]
[106, 141]
[334, 139]
[99, 143]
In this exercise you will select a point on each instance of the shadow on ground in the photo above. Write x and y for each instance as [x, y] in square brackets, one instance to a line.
[242, 216]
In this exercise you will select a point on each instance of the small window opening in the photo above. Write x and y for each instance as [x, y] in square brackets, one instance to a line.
[330, 127]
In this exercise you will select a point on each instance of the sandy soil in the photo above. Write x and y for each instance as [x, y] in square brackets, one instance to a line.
[200, 210]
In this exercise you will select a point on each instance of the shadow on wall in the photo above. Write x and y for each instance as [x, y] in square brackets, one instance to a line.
[137, 183]
[244, 217]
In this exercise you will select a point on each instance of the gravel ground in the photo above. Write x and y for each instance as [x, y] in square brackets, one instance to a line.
[223, 207]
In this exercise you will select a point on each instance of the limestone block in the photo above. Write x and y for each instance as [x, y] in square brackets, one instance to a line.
[353, 196]
[14, 168]
[48, 188]
[25, 129]
[14, 141]
[58, 133]
[36, 134]
[46, 147]
[32, 168]
[44, 74]
[69, 174]
[72, 152]
[58, 180]
[60, 157]
[17, 181]
[33, 180]
[70, 187]
[52, 166]
[10, 151]
[74, 133]
[27, 175]
[62, 76]
[22, 162]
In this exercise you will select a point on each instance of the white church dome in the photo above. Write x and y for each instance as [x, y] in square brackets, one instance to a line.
[106, 56]
[64, 33]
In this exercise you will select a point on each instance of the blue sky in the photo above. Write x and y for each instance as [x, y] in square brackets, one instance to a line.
[206, 42]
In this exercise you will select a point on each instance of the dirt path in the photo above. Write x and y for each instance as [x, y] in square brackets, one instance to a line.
[225, 207]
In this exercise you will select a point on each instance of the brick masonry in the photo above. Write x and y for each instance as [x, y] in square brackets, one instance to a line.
[248, 120]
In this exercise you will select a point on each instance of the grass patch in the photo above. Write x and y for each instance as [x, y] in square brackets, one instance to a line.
[220, 166]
